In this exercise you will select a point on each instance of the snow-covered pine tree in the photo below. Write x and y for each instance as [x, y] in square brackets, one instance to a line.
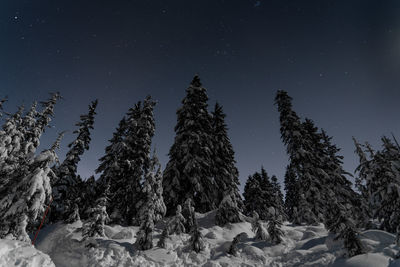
[291, 197]
[112, 168]
[338, 183]
[189, 214]
[278, 198]
[233, 248]
[257, 227]
[19, 140]
[294, 136]
[10, 144]
[74, 216]
[140, 130]
[188, 173]
[259, 195]
[159, 206]
[144, 238]
[196, 238]
[384, 186]
[228, 211]
[274, 227]
[225, 172]
[340, 224]
[176, 224]
[88, 196]
[66, 189]
[25, 202]
[315, 164]
[94, 227]
[150, 208]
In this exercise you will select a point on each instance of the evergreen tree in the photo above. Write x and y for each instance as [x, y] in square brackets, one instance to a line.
[148, 206]
[25, 202]
[94, 227]
[277, 197]
[298, 147]
[315, 164]
[257, 228]
[225, 172]
[88, 196]
[383, 186]
[18, 142]
[228, 211]
[189, 214]
[260, 194]
[274, 227]
[139, 133]
[112, 168]
[344, 228]
[339, 185]
[189, 172]
[74, 216]
[196, 238]
[291, 198]
[176, 225]
[67, 186]
[233, 248]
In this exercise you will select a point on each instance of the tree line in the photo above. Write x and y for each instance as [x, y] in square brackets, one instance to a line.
[201, 176]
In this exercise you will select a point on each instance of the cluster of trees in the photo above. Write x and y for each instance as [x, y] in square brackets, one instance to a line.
[378, 181]
[201, 175]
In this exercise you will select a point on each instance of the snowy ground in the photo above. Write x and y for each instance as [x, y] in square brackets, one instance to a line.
[302, 246]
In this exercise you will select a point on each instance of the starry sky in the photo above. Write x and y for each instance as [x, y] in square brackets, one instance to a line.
[339, 60]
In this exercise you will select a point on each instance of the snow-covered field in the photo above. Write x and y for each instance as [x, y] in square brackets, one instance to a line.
[301, 246]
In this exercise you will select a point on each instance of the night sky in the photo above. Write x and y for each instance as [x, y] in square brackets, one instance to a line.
[339, 60]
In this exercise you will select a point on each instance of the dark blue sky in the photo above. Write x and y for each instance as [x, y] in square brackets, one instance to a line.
[339, 60]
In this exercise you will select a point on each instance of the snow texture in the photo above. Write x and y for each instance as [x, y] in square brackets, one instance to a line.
[301, 246]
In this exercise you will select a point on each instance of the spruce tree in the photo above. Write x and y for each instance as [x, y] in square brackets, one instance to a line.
[139, 133]
[274, 227]
[176, 224]
[340, 186]
[112, 168]
[383, 186]
[94, 227]
[228, 211]
[19, 141]
[67, 186]
[88, 196]
[298, 147]
[149, 206]
[258, 228]
[291, 198]
[189, 172]
[260, 194]
[74, 216]
[278, 198]
[226, 174]
[340, 224]
[189, 214]
[25, 201]
[196, 238]
[315, 164]
[233, 248]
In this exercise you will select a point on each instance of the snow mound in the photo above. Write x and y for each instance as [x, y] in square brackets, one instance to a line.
[17, 253]
[301, 246]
